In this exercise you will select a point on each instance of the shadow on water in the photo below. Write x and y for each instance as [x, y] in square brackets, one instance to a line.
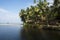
[40, 35]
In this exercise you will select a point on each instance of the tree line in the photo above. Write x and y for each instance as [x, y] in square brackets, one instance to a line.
[40, 14]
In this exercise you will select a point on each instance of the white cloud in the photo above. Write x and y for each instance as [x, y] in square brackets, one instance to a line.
[3, 10]
[50, 1]
[6, 16]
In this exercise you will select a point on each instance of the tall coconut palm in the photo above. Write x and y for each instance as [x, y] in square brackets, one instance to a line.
[57, 8]
[56, 2]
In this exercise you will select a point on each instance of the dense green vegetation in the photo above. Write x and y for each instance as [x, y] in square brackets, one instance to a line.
[41, 13]
[35, 17]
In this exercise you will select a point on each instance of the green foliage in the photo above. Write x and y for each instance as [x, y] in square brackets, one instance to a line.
[34, 1]
[34, 15]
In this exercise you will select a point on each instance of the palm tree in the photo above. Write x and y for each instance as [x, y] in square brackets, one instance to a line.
[22, 15]
[56, 8]
[36, 1]
[56, 2]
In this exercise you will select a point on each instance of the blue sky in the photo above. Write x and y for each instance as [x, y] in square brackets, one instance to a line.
[9, 10]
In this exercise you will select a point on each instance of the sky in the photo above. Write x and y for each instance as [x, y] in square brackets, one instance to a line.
[9, 10]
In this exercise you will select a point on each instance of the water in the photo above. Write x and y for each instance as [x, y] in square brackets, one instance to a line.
[42, 35]
[10, 32]
[13, 32]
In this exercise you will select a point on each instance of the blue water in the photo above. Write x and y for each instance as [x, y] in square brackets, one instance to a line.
[10, 32]
[13, 32]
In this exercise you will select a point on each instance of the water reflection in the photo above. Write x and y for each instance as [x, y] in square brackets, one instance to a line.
[16, 32]
[40, 35]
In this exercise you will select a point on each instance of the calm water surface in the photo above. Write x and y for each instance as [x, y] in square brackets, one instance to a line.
[10, 32]
[13, 32]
